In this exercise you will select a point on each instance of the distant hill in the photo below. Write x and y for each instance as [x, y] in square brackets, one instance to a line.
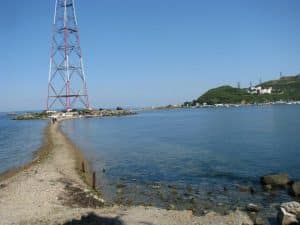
[285, 89]
[224, 94]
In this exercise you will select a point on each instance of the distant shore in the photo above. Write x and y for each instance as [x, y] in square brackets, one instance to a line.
[73, 114]
[221, 105]
[52, 189]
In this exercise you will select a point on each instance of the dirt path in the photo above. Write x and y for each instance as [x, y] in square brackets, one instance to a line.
[51, 191]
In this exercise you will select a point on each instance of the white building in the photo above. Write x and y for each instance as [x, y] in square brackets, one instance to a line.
[259, 90]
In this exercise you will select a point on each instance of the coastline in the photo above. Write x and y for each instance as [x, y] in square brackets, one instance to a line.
[38, 156]
[52, 190]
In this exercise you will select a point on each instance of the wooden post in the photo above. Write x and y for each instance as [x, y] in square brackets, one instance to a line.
[82, 167]
[94, 180]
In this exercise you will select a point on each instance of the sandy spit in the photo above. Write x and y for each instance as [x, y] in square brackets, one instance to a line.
[52, 190]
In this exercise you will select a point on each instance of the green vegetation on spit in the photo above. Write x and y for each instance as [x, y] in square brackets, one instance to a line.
[285, 89]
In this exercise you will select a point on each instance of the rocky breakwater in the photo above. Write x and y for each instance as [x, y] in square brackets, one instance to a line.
[74, 113]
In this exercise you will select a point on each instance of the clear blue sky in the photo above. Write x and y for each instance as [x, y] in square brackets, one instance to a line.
[150, 52]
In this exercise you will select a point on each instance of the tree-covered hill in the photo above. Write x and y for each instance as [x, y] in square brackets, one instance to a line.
[284, 89]
[224, 94]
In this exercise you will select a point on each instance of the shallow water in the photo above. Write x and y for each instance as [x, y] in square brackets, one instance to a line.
[192, 158]
[19, 140]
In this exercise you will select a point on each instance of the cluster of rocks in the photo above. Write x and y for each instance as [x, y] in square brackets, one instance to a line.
[281, 180]
[289, 212]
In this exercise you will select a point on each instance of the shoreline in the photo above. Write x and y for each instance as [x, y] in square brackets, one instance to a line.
[38, 156]
[52, 190]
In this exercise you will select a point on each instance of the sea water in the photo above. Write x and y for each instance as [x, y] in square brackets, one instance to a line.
[19, 140]
[198, 159]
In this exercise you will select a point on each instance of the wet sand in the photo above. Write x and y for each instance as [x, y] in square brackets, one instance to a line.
[53, 190]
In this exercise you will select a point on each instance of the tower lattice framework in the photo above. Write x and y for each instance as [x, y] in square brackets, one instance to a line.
[67, 86]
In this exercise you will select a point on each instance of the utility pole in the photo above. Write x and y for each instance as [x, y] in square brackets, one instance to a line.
[67, 81]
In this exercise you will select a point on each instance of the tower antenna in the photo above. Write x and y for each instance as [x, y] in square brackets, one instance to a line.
[67, 80]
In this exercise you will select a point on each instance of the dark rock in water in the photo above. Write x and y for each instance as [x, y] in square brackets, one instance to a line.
[281, 179]
[186, 194]
[296, 188]
[243, 188]
[252, 207]
[268, 187]
[286, 218]
[171, 186]
[120, 186]
[189, 188]
[155, 186]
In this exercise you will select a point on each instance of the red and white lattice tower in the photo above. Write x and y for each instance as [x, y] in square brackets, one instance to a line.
[67, 81]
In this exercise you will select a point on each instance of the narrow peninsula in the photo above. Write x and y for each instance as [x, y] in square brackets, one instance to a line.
[53, 190]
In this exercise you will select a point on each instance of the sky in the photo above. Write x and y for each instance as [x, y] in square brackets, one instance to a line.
[150, 52]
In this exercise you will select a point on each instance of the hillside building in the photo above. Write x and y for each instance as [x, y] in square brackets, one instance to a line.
[260, 90]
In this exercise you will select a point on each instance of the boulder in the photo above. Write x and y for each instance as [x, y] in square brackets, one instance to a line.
[292, 207]
[252, 207]
[280, 179]
[268, 187]
[286, 218]
[243, 188]
[296, 188]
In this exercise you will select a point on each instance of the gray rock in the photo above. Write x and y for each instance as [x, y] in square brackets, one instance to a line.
[296, 188]
[292, 207]
[243, 188]
[252, 207]
[268, 187]
[280, 179]
[286, 218]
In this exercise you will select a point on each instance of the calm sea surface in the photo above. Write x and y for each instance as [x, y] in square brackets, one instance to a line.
[18, 141]
[192, 158]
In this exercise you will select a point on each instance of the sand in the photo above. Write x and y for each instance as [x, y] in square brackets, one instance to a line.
[52, 190]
